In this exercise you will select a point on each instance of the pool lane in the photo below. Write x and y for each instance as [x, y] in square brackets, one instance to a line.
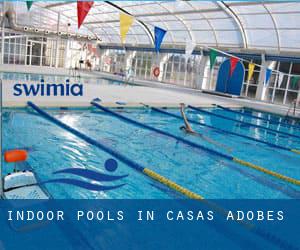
[281, 134]
[52, 149]
[242, 129]
[268, 122]
[209, 150]
[205, 175]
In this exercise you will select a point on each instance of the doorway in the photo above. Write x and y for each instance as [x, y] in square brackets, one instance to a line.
[34, 53]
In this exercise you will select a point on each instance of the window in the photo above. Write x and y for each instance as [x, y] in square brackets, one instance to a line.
[196, 73]
[250, 87]
[23, 49]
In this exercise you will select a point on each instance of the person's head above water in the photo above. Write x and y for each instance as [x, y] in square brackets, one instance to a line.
[182, 128]
[182, 105]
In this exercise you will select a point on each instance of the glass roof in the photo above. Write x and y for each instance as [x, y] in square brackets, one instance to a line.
[266, 25]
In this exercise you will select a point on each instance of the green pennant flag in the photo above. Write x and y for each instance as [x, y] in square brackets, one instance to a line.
[212, 56]
[295, 80]
[29, 4]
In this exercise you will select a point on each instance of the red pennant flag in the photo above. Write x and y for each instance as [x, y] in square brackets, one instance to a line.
[233, 62]
[83, 9]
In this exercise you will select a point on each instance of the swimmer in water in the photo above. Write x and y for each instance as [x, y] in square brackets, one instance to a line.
[188, 129]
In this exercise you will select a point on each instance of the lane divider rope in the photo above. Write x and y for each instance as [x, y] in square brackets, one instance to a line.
[248, 123]
[145, 126]
[155, 176]
[269, 172]
[172, 184]
[274, 115]
[296, 151]
[257, 117]
[136, 166]
[195, 145]
[225, 131]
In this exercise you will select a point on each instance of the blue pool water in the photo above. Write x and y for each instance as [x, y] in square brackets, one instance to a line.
[52, 149]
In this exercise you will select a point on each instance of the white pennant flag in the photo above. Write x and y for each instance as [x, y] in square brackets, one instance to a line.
[280, 79]
[189, 48]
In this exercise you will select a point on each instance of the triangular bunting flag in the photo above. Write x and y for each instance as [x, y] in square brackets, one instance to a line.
[280, 79]
[251, 67]
[295, 80]
[83, 8]
[212, 57]
[268, 76]
[29, 4]
[159, 35]
[233, 63]
[125, 23]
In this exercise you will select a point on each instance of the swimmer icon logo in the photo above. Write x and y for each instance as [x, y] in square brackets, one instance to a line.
[110, 165]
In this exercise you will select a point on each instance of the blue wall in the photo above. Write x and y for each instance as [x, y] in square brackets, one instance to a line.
[230, 84]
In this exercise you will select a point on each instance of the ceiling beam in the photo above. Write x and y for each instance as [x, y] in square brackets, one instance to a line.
[256, 3]
[49, 6]
[237, 21]
[163, 14]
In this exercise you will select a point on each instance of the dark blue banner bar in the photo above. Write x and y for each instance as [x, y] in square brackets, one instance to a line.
[150, 224]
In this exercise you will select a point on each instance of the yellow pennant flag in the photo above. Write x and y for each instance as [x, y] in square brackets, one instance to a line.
[125, 23]
[250, 71]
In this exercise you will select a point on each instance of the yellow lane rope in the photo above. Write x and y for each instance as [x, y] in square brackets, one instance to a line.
[269, 172]
[296, 151]
[195, 145]
[172, 184]
[193, 195]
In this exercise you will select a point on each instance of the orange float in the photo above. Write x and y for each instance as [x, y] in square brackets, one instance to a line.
[156, 71]
[15, 155]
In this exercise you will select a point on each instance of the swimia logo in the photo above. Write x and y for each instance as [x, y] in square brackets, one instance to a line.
[90, 179]
[48, 89]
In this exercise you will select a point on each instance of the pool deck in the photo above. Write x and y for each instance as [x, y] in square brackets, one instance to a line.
[110, 94]
[146, 92]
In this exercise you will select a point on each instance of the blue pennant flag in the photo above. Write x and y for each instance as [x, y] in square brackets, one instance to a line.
[268, 75]
[159, 34]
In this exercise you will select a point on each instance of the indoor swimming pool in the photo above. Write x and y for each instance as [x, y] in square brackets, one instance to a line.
[52, 148]
[153, 125]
